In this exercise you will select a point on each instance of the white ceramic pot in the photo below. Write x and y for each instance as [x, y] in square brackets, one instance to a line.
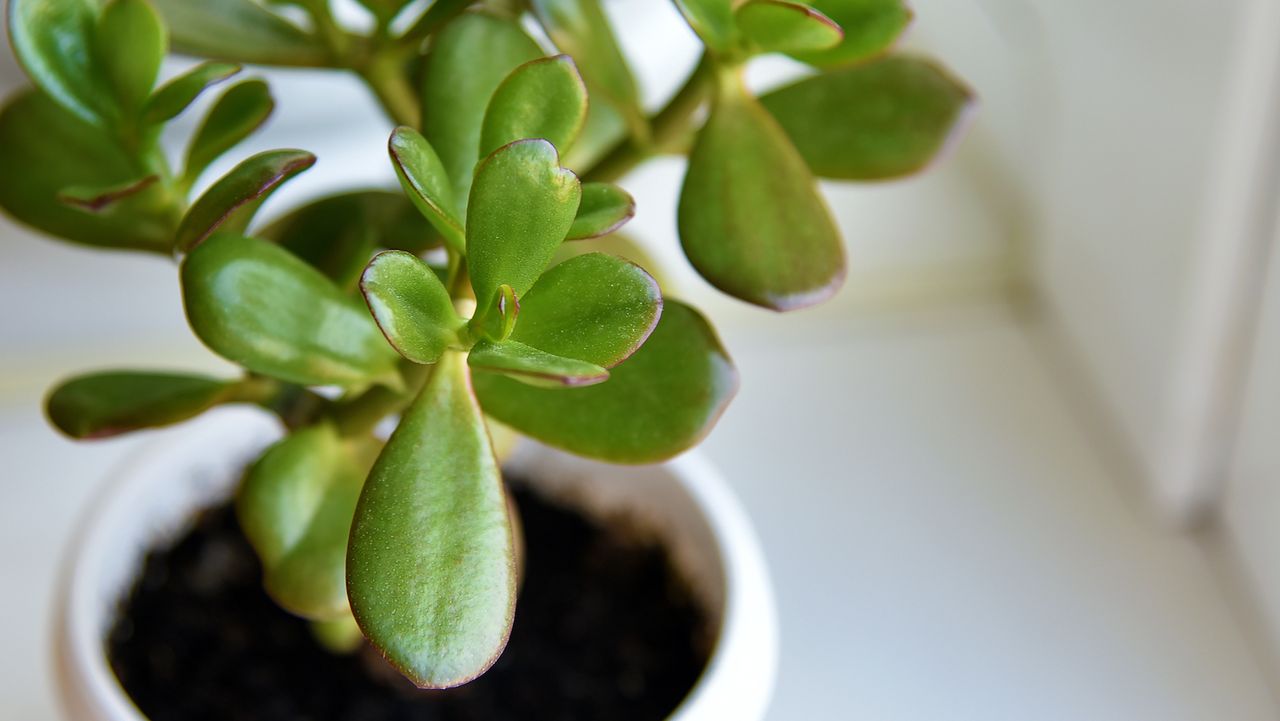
[151, 499]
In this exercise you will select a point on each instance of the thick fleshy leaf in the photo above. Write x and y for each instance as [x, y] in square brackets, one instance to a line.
[339, 234]
[522, 206]
[870, 27]
[254, 303]
[231, 202]
[98, 405]
[595, 307]
[544, 98]
[604, 129]
[53, 39]
[580, 28]
[750, 217]
[97, 199]
[535, 367]
[239, 31]
[46, 151]
[712, 20]
[779, 26]
[497, 320]
[658, 403]
[296, 506]
[605, 207]
[410, 305]
[430, 569]
[426, 182]
[467, 61]
[240, 111]
[178, 94]
[129, 43]
[884, 119]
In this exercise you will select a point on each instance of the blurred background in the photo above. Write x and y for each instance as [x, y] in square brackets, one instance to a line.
[1024, 466]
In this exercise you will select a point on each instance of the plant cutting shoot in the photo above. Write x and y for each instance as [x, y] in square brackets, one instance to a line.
[470, 305]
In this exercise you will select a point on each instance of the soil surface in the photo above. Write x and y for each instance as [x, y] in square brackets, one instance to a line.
[604, 630]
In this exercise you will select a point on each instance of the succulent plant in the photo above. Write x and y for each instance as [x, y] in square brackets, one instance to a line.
[471, 303]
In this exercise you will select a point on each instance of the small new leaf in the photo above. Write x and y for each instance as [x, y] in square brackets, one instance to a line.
[779, 26]
[129, 43]
[535, 367]
[543, 98]
[426, 182]
[410, 305]
[431, 563]
[99, 405]
[605, 207]
[178, 94]
[497, 320]
[231, 202]
[240, 111]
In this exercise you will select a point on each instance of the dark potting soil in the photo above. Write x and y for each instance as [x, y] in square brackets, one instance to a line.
[604, 630]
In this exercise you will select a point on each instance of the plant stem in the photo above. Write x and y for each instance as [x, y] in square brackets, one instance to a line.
[360, 415]
[669, 125]
[384, 74]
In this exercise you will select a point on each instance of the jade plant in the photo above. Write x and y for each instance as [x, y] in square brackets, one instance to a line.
[471, 305]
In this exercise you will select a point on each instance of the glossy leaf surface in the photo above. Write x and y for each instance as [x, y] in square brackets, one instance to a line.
[96, 199]
[544, 98]
[255, 304]
[750, 217]
[880, 120]
[778, 26]
[595, 307]
[296, 506]
[238, 31]
[129, 43]
[240, 111]
[46, 151]
[98, 405]
[410, 305]
[605, 207]
[468, 59]
[712, 20]
[231, 202]
[426, 182]
[339, 234]
[497, 320]
[661, 401]
[870, 28]
[431, 572]
[53, 39]
[533, 366]
[178, 94]
[522, 206]
[580, 28]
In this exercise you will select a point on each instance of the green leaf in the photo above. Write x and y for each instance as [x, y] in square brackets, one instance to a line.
[870, 28]
[410, 305]
[426, 182]
[522, 206]
[239, 31]
[658, 403]
[778, 26]
[97, 198]
[604, 129]
[231, 202]
[750, 217]
[544, 98]
[534, 367]
[255, 304]
[883, 119]
[129, 43]
[240, 111]
[99, 405]
[467, 61]
[178, 94]
[430, 569]
[595, 307]
[339, 234]
[296, 507]
[497, 320]
[605, 207]
[47, 150]
[53, 41]
[712, 20]
[580, 28]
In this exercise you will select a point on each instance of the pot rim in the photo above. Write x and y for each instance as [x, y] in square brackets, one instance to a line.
[736, 683]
